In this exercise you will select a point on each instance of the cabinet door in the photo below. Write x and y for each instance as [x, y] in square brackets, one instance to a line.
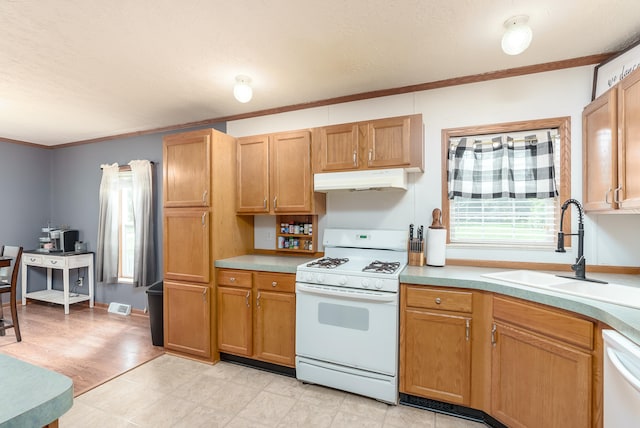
[629, 150]
[537, 382]
[436, 356]
[187, 318]
[389, 143]
[186, 244]
[274, 333]
[253, 174]
[600, 153]
[339, 147]
[234, 320]
[187, 169]
[291, 172]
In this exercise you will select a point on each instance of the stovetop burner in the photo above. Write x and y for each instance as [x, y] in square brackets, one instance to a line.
[381, 267]
[328, 262]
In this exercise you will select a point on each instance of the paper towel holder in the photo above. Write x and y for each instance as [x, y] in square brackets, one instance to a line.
[436, 240]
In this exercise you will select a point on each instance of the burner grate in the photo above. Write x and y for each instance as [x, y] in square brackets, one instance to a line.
[328, 262]
[381, 267]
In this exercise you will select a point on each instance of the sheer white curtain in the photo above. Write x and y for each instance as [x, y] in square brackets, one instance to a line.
[107, 257]
[144, 244]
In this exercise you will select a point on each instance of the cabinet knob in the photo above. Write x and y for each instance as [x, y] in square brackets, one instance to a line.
[232, 279]
[274, 284]
[438, 301]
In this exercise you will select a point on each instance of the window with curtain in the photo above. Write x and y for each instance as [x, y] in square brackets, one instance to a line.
[505, 189]
[126, 243]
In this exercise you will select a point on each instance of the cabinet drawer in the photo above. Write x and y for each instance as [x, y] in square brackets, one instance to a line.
[55, 262]
[446, 300]
[551, 323]
[235, 278]
[79, 261]
[32, 260]
[276, 281]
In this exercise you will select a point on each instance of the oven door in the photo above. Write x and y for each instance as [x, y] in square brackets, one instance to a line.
[353, 328]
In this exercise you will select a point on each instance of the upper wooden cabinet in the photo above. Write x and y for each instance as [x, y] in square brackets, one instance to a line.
[253, 174]
[629, 142]
[386, 143]
[611, 148]
[187, 169]
[274, 175]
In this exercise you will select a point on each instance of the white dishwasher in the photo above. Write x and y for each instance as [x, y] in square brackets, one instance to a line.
[621, 381]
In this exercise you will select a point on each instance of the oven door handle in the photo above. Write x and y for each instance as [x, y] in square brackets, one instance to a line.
[364, 296]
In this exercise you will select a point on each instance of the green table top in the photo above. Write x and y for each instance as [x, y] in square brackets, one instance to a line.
[33, 396]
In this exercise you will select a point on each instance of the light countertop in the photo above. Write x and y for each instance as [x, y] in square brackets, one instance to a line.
[624, 319]
[34, 396]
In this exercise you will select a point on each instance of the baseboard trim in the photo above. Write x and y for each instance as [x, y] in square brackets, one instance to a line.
[274, 368]
[450, 409]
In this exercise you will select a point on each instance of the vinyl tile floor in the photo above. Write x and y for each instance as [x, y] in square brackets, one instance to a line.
[171, 391]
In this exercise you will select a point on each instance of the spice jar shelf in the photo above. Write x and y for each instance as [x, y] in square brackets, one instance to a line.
[289, 242]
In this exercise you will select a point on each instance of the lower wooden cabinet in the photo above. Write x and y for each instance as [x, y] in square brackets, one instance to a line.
[234, 320]
[538, 382]
[274, 332]
[541, 366]
[435, 354]
[256, 315]
[523, 363]
[187, 318]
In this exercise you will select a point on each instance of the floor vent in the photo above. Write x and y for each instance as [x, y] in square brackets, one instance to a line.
[119, 308]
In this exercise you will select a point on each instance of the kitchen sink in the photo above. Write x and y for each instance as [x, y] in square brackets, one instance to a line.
[612, 293]
[529, 277]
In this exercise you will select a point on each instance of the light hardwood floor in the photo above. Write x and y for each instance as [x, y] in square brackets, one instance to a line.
[90, 346]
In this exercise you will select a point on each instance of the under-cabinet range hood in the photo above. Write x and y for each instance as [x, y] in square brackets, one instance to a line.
[374, 179]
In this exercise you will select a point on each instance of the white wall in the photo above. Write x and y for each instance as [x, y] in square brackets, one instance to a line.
[609, 239]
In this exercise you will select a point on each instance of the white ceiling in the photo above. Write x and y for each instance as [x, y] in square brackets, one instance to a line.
[72, 70]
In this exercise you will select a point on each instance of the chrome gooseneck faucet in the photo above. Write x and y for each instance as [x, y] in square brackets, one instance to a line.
[579, 267]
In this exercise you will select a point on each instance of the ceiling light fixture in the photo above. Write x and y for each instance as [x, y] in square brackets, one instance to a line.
[518, 35]
[242, 91]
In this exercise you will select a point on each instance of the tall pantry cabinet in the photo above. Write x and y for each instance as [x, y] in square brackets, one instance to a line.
[199, 226]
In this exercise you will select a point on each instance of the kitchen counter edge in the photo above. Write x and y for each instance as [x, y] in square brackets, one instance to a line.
[625, 320]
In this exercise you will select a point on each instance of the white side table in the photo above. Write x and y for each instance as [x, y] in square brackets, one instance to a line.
[63, 261]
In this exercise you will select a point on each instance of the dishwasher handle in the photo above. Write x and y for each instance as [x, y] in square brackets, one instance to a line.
[622, 369]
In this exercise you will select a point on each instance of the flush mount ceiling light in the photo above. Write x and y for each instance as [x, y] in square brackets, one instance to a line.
[518, 35]
[242, 91]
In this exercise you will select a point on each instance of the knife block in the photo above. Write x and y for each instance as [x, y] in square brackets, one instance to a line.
[416, 253]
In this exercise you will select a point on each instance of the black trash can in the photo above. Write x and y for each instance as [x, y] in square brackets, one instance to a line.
[156, 317]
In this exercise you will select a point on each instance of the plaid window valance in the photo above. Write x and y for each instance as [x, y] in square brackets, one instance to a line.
[518, 167]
